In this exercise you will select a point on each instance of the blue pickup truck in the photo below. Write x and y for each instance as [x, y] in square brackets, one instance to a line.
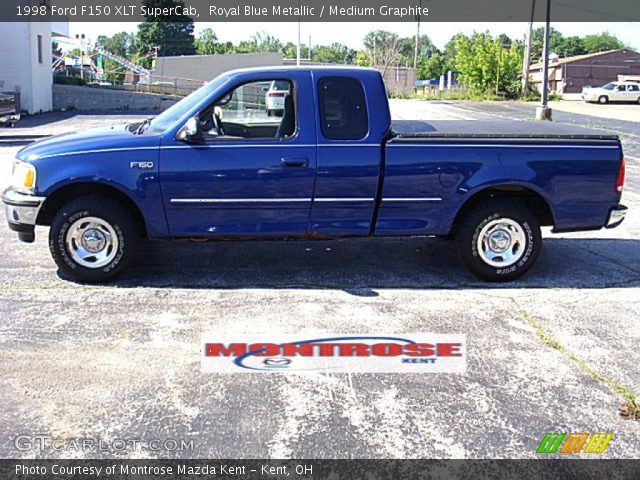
[327, 164]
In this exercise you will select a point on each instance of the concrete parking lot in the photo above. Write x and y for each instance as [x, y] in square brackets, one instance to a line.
[554, 351]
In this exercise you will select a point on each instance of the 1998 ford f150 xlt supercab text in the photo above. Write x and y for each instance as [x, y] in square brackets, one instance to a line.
[330, 165]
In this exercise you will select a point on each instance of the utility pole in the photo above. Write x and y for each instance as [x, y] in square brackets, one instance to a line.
[543, 112]
[527, 52]
[374, 51]
[298, 45]
[415, 53]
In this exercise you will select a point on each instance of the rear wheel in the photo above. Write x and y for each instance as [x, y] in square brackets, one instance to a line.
[92, 239]
[603, 99]
[499, 240]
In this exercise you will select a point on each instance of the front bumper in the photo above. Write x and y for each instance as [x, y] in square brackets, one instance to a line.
[22, 211]
[616, 216]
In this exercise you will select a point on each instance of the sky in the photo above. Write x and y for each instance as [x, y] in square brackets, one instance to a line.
[323, 33]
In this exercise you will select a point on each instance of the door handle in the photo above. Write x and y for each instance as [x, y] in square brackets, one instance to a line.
[294, 161]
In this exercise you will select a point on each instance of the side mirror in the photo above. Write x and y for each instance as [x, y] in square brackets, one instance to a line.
[191, 131]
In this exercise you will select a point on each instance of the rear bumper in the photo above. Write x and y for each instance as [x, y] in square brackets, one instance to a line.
[616, 216]
[22, 211]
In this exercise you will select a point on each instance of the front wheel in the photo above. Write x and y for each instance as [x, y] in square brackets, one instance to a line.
[499, 240]
[92, 239]
[602, 100]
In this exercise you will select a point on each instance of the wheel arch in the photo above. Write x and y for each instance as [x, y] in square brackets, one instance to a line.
[63, 194]
[533, 199]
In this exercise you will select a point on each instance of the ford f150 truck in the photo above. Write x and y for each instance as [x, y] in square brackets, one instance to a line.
[216, 166]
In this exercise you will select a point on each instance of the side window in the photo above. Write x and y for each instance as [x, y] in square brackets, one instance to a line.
[343, 110]
[634, 88]
[255, 110]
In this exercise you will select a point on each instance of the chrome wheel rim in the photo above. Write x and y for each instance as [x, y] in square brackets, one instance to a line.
[501, 242]
[92, 242]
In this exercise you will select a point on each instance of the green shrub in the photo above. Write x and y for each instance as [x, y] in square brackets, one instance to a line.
[69, 81]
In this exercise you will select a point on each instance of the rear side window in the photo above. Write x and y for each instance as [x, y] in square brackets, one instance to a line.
[280, 85]
[343, 110]
[634, 88]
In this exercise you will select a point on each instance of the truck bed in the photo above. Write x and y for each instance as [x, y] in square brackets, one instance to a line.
[415, 130]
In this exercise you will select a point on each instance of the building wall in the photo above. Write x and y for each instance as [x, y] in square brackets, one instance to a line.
[66, 97]
[595, 71]
[399, 79]
[207, 67]
[600, 70]
[19, 66]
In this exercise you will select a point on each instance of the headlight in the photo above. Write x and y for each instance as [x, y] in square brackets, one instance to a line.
[24, 177]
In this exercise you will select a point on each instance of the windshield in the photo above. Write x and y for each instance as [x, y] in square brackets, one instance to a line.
[609, 86]
[174, 113]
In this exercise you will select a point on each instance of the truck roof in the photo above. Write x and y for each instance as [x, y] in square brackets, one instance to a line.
[305, 68]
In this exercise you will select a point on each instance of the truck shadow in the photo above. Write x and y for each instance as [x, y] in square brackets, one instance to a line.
[360, 265]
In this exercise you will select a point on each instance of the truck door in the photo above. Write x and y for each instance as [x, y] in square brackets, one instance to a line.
[349, 149]
[253, 173]
[633, 93]
[619, 93]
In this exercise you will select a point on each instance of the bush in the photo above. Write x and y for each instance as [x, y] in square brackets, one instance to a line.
[535, 96]
[454, 94]
[69, 81]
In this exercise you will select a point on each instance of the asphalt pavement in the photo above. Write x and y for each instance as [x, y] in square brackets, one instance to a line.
[556, 350]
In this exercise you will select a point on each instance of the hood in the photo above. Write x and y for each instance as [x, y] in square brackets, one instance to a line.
[86, 142]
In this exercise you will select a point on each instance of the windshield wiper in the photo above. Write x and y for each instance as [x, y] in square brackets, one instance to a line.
[140, 128]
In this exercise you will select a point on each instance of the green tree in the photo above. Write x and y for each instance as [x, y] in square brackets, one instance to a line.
[334, 53]
[484, 64]
[207, 42]
[266, 43]
[449, 53]
[431, 67]
[601, 42]
[383, 47]
[289, 50]
[407, 46]
[172, 34]
[362, 59]
[122, 44]
[556, 41]
[571, 46]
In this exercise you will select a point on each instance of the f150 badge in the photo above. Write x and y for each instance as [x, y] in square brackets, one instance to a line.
[144, 165]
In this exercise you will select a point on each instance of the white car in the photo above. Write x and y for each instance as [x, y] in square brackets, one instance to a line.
[613, 92]
[275, 96]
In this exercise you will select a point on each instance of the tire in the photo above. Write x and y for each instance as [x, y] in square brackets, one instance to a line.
[638, 100]
[499, 223]
[93, 224]
[603, 99]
